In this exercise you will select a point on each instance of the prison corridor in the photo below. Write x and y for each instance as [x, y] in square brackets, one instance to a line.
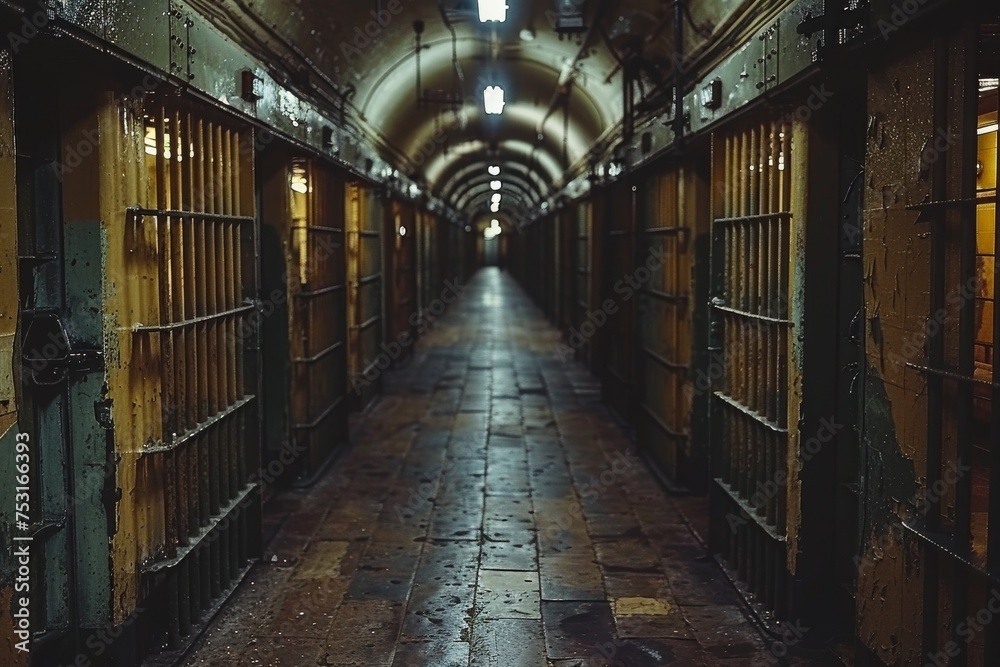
[489, 512]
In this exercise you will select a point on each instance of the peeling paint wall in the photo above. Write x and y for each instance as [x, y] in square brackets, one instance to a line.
[901, 126]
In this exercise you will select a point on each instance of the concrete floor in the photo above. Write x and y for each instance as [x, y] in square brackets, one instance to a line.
[489, 513]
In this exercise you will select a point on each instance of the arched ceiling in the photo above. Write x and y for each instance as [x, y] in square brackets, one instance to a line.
[563, 91]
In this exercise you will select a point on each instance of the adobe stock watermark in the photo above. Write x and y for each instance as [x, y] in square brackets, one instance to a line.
[912, 347]
[770, 489]
[366, 35]
[393, 350]
[901, 14]
[32, 25]
[624, 288]
[967, 630]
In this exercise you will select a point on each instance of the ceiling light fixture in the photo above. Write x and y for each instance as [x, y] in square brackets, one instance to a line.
[493, 99]
[495, 185]
[494, 171]
[986, 129]
[493, 10]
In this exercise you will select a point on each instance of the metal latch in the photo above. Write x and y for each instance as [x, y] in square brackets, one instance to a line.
[50, 355]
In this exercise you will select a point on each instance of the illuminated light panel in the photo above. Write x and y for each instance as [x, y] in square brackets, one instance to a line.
[493, 231]
[495, 207]
[493, 10]
[493, 98]
[402, 231]
[494, 171]
[496, 198]
[986, 129]
[495, 185]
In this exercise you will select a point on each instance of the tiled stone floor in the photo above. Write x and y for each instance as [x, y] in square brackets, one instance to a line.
[489, 513]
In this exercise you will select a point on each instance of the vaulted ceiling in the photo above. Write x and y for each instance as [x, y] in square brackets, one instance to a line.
[563, 88]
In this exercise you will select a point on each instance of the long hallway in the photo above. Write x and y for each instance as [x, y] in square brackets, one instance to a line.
[489, 512]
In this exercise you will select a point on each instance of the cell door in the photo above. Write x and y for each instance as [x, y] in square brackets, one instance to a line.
[365, 217]
[751, 233]
[615, 326]
[937, 148]
[672, 209]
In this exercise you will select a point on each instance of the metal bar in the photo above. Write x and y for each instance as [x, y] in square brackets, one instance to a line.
[777, 215]
[367, 324]
[663, 296]
[204, 319]
[317, 229]
[321, 417]
[936, 205]
[311, 294]
[756, 416]
[665, 362]
[950, 375]
[320, 355]
[224, 512]
[674, 435]
[753, 316]
[175, 442]
[751, 512]
[141, 214]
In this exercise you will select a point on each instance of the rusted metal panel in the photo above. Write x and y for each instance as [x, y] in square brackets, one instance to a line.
[365, 312]
[930, 378]
[174, 189]
[401, 265]
[754, 434]
[303, 209]
[615, 327]
[673, 215]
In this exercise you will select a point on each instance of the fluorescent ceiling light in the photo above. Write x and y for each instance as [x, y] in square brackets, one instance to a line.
[986, 129]
[493, 99]
[493, 10]
[496, 198]
[494, 171]
[496, 185]
[495, 207]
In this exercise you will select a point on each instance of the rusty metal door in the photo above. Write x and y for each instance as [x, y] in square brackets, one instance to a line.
[583, 263]
[365, 310]
[931, 382]
[401, 266]
[672, 210]
[752, 325]
[305, 331]
[160, 284]
[614, 327]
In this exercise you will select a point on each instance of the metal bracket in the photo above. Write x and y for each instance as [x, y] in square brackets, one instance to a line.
[49, 354]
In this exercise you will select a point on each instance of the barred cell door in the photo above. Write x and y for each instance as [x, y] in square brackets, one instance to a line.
[935, 148]
[751, 321]
[365, 217]
[143, 355]
[672, 209]
[306, 392]
[615, 327]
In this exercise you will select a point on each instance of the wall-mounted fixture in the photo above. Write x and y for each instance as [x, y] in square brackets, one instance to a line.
[251, 86]
[568, 17]
[493, 98]
[493, 10]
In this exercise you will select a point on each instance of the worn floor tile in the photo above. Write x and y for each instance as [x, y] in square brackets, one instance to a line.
[489, 513]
